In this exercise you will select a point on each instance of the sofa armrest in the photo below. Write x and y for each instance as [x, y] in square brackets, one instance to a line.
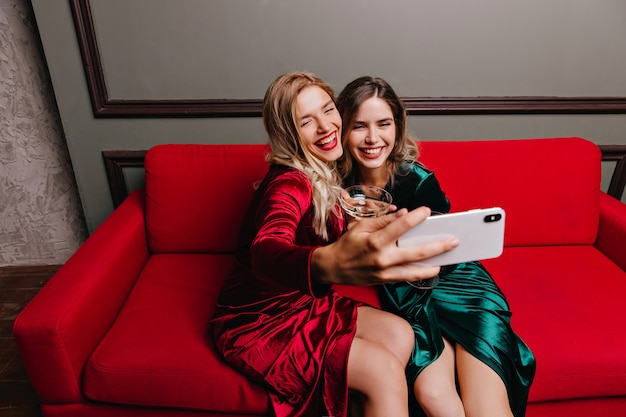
[60, 327]
[612, 230]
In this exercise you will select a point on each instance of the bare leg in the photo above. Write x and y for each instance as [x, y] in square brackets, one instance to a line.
[483, 391]
[375, 367]
[386, 329]
[435, 387]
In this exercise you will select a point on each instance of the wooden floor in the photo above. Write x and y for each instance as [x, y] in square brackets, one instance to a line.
[17, 286]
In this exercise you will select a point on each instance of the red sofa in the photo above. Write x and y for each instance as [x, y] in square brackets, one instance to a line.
[121, 329]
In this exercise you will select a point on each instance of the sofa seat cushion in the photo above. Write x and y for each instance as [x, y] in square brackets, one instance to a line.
[564, 301]
[158, 352]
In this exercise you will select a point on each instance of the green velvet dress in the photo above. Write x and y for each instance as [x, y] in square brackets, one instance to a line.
[466, 307]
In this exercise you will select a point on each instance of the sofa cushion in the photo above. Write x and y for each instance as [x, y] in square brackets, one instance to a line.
[549, 188]
[564, 301]
[158, 352]
[196, 195]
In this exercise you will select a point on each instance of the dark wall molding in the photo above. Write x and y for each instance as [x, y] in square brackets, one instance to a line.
[116, 161]
[515, 105]
[114, 164]
[617, 154]
[103, 106]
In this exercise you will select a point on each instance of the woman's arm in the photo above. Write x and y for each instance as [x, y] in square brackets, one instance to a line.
[368, 254]
[277, 252]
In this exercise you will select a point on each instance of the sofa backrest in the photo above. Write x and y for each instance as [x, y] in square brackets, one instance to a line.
[196, 195]
[549, 188]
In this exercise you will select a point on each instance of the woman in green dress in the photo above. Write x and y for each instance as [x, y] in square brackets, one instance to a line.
[467, 360]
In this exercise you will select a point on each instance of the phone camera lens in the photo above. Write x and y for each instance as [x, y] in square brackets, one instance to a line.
[493, 218]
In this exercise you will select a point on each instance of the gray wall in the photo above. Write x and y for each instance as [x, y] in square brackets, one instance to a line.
[233, 48]
[198, 49]
[41, 220]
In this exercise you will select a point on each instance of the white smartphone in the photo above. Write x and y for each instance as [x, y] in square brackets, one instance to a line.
[480, 233]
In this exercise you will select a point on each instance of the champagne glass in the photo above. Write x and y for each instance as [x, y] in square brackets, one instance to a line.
[365, 201]
[372, 201]
[425, 284]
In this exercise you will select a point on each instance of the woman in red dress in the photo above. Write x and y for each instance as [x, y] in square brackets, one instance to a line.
[278, 321]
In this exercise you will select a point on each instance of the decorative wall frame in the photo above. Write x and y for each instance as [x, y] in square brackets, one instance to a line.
[103, 106]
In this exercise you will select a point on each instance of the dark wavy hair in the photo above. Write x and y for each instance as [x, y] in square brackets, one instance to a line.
[348, 103]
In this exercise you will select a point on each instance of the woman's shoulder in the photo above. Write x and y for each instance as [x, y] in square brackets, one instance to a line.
[285, 172]
[419, 187]
[289, 179]
[413, 171]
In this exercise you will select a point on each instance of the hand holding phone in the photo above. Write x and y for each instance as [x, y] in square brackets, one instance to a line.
[480, 233]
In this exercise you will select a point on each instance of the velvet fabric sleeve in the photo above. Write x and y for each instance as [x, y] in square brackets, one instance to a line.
[284, 203]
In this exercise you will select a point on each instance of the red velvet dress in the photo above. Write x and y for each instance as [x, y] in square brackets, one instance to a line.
[271, 323]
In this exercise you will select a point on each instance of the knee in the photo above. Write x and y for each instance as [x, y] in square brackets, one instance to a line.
[387, 369]
[391, 376]
[401, 338]
[382, 384]
[436, 396]
[380, 377]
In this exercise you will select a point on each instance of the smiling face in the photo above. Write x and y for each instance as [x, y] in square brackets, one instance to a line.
[371, 138]
[319, 123]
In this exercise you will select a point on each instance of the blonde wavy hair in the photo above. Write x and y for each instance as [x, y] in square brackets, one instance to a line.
[285, 145]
